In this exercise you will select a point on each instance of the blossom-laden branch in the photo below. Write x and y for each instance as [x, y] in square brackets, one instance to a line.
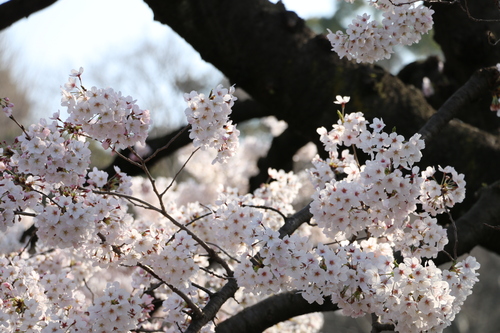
[480, 226]
[293, 222]
[162, 212]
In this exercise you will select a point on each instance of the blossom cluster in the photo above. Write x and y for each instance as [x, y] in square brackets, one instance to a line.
[232, 225]
[377, 202]
[52, 154]
[367, 40]
[381, 195]
[210, 124]
[105, 115]
[6, 106]
[34, 300]
[117, 310]
[362, 278]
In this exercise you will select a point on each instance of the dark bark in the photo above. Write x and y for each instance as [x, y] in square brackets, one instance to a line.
[14, 10]
[463, 31]
[481, 81]
[285, 67]
[280, 155]
[271, 54]
[269, 312]
[467, 31]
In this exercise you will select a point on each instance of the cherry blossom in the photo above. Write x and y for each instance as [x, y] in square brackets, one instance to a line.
[108, 242]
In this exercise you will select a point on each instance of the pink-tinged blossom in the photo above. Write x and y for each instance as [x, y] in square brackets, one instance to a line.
[210, 124]
[6, 106]
[367, 40]
[105, 115]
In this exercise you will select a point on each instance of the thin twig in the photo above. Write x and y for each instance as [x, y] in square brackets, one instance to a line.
[213, 273]
[90, 290]
[180, 170]
[465, 8]
[20, 212]
[128, 159]
[455, 233]
[207, 291]
[167, 145]
[197, 311]
[202, 243]
[227, 254]
[130, 198]
[267, 208]
[28, 137]
[198, 218]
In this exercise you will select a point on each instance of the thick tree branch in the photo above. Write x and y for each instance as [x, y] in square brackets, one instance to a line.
[481, 81]
[213, 306]
[291, 71]
[293, 222]
[269, 312]
[15, 10]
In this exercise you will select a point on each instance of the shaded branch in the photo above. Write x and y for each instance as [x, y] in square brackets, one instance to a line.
[279, 156]
[464, 42]
[272, 310]
[378, 327]
[214, 305]
[15, 10]
[481, 81]
[293, 222]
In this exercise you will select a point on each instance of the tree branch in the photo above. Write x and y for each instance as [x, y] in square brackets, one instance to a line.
[272, 310]
[214, 305]
[481, 81]
[15, 10]
[293, 222]
[476, 227]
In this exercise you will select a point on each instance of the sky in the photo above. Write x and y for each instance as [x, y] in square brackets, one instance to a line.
[95, 34]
